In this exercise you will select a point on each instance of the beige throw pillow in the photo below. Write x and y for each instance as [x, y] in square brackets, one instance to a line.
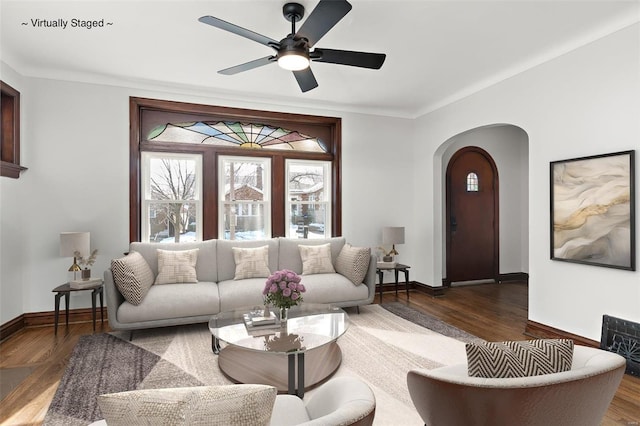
[229, 405]
[177, 266]
[251, 262]
[133, 277]
[353, 263]
[316, 259]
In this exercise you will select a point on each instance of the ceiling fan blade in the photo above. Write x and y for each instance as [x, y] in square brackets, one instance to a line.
[248, 65]
[243, 32]
[306, 79]
[326, 14]
[347, 57]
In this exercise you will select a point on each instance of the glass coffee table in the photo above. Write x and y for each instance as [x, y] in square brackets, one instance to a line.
[304, 347]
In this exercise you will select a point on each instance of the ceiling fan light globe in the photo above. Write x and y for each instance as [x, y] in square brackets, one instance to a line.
[293, 61]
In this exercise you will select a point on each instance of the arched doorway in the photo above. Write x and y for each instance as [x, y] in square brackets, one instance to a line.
[472, 217]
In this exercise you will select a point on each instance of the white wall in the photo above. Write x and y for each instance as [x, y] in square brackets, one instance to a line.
[12, 236]
[586, 102]
[77, 152]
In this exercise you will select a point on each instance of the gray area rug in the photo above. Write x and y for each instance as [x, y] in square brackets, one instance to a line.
[381, 345]
[430, 322]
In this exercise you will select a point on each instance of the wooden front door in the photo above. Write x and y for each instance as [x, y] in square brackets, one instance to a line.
[472, 216]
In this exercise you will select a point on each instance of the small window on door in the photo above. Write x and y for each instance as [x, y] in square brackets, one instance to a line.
[472, 182]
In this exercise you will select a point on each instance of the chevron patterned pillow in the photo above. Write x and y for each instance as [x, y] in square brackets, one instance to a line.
[353, 263]
[519, 359]
[133, 277]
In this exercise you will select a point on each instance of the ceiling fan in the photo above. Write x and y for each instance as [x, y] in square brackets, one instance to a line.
[293, 52]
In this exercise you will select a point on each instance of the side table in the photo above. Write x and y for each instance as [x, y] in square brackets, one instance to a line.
[65, 290]
[399, 267]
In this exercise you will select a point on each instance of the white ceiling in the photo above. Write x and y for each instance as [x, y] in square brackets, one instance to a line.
[437, 51]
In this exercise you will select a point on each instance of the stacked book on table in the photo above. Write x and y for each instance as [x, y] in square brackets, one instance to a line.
[255, 321]
[88, 283]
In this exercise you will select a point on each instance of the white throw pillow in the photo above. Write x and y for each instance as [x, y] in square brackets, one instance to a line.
[316, 259]
[251, 262]
[228, 405]
[133, 277]
[353, 263]
[177, 266]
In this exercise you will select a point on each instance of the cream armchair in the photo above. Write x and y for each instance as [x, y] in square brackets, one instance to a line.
[340, 401]
[580, 396]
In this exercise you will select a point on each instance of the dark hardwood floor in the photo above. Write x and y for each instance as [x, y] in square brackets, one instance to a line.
[33, 360]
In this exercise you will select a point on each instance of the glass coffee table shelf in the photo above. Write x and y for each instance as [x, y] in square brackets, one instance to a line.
[304, 347]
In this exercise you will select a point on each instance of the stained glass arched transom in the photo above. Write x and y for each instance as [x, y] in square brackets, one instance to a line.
[472, 182]
[236, 134]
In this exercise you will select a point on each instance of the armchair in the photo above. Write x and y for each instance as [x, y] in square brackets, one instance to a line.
[580, 396]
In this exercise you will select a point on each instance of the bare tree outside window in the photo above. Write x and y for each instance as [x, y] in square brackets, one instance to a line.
[173, 185]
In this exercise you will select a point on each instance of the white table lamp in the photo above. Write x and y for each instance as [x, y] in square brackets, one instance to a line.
[71, 242]
[393, 235]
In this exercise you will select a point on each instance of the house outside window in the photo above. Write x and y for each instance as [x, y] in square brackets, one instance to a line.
[245, 192]
[308, 203]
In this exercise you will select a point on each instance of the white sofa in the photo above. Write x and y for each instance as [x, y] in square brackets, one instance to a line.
[217, 291]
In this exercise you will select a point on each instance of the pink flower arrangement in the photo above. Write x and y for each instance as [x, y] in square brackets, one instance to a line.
[283, 289]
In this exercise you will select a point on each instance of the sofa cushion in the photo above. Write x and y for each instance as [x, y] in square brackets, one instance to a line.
[332, 288]
[203, 405]
[132, 277]
[316, 259]
[243, 293]
[206, 266]
[520, 358]
[289, 255]
[177, 266]
[225, 260]
[251, 262]
[353, 262]
[169, 301]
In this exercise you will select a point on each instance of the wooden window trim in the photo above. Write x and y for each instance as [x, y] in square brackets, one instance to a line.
[210, 159]
[10, 132]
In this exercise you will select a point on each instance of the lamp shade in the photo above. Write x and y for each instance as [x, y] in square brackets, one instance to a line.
[393, 235]
[71, 242]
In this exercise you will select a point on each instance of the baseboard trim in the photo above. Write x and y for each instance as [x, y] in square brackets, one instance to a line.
[10, 328]
[430, 290]
[542, 331]
[514, 276]
[40, 319]
[507, 277]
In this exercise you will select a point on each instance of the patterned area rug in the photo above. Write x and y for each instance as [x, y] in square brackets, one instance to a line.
[381, 345]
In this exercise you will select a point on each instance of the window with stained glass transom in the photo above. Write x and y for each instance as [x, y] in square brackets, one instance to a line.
[472, 182]
[247, 166]
[236, 134]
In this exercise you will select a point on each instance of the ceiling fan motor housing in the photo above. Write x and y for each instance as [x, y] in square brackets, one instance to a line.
[291, 46]
[293, 12]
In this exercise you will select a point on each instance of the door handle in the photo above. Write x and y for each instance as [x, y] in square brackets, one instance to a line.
[454, 224]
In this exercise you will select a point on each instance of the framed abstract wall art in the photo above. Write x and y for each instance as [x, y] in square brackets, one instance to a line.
[593, 210]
